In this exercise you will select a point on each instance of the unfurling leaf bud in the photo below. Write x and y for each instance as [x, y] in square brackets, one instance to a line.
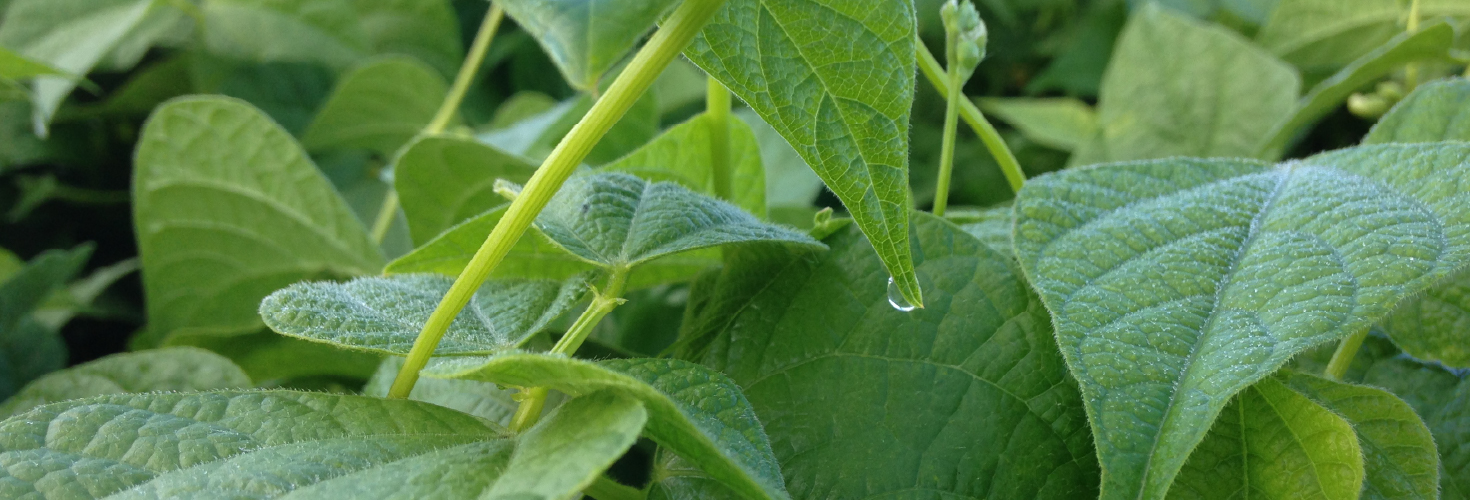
[965, 36]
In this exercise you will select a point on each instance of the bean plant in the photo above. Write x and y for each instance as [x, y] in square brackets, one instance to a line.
[706, 249]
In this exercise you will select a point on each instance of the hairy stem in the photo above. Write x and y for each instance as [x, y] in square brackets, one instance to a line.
[971, 114]
[602, 303]
[946, 151]
[1343, 357]
[717, 106]
[678, 30]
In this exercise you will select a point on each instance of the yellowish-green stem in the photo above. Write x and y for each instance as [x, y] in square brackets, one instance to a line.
[1411, 71]
[386, 214]
[717, 106]
[678, 30]
[988, 135]
[1343, 357]
[533, 400]
[602, 303]
[946, 151]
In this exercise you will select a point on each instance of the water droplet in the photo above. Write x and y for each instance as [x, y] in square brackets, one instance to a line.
[895, 297]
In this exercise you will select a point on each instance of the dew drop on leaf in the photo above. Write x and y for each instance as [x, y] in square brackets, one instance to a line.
[895, 297]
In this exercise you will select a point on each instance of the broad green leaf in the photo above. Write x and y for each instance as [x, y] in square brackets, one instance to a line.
[1320, 36]
[521, 106]
[443, 181]
[229, 209]
[28, 348]
[697, 413]
[289, 93]
[789, 182]
[16, 67]
[378, 106]
[682, 155]
[585, 38]
[318, 31]
[427, 30]
[967, 398]
[536, 136]
[1058, 122]
[1178, 283]
[482, 399]
[992, 226]
[171, 369]
[836, 79]
[1180, 87]
[274, 360]
[1273, 442]
[384, 314]
[619, 221]
[1433, 112]
[69, 35]
[284, 444]
[1399, 454]
[1432, 42]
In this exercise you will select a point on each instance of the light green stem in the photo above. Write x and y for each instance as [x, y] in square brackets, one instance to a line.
[602, 304]
[447, 108]
[717, 106]
[1411, 70]
[678, 30]
[971, 114]
[1343, 357]
[603, 488]
[946, 151]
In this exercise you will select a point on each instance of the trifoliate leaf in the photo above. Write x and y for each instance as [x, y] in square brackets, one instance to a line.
[170, 369]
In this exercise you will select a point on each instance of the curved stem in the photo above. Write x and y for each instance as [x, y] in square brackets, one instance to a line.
[717, 106]
[386, 214]
[668, 42]
[946, 151]
[971, 114]
[1343, 357]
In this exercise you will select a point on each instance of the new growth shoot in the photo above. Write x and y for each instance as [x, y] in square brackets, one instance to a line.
[964, 43]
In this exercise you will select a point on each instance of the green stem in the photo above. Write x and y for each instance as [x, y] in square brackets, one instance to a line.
[603, 488]
[1411, 71]
[971, 114]
[685, 22]
[602, 304]
[1343, 357]
[386, 214]
[946, 151]
[717, 106]
[530, 409]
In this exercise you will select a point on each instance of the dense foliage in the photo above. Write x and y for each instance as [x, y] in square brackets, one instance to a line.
[770, 249]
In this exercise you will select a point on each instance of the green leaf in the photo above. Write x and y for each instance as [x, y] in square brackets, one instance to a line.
[9, 264]
[443, 181]
[585, 38]
[533, 256]
[1399, 455]
[482, 399]
[319, 31]
[1058, 122]
[16, 67]
[965, 398]
[620, 221]
[697, 413]
[171, 369]
[288, 93]
[789, 182]
[1272, 442]
[992, 226]
[384, 314]
[71, 36]
[28, 348]
[1433, 112]
[1432, 42]
[1178, 283]
[379, 106]
[229, 209]
[536, 136]
[427, 30]
[1320, 36]
[682, 155]
[1180, 87]
[274, 360]
[836, 79]
[269, 444]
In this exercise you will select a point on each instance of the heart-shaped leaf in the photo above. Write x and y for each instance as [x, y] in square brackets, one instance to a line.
[836, 79]
[682, 155]
[384, 314]
[1272, 442]
[585, 38]
[443, 181]
[965, 398]
[378, 106]
[228, 209]
[698, 413]
[170, 369]
[1178, 283]
[1180, 87]
[271, 444]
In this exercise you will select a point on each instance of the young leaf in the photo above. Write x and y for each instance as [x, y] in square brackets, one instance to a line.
[1058, 122]
[1179, 87]
[443, 181]
[319, 31]
[384, 314]
[1398, 451]
[1272, 442]
[617, 220]
[1177, 283]
[229, 209]
[267, 444]
[28, 348]
[965, 398]
[171, 369]
[836, 79]
[585, 38]
[697, 413]
[682, 155]
[1320, 36]
[1432, 42]
[533, 256]
[71, 36]
[427, 30]
[378, 106]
